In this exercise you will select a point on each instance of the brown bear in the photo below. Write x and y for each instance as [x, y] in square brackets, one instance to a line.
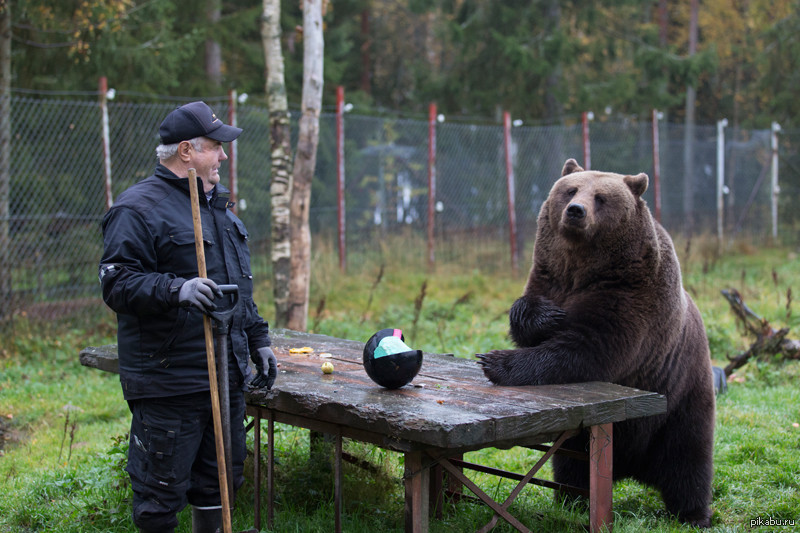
[604, 301]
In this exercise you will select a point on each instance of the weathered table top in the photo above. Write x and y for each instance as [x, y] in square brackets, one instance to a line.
[450, 404]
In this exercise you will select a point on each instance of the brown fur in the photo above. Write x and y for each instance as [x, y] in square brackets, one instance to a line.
[604, 302]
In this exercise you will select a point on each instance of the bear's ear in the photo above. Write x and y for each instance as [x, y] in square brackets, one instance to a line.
[571, 166]
[637, 184]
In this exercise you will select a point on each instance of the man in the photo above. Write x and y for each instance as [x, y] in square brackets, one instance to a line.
[149, 277]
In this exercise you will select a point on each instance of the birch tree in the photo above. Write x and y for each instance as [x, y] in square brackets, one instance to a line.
[281, 158]
[305, 163]
[290, 189]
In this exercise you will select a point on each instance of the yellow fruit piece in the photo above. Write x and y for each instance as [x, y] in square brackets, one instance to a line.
[327, 367]
[304, 349]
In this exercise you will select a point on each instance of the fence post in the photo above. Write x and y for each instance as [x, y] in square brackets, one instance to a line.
[5, 165]
[587, 148]
[340, 177]
[233, 163]
[511, 194]
[102, 90]
[776, 128]
[656, 167]
[720, 178]
[431, 183]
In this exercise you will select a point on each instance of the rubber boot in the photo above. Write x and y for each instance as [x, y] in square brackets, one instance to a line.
[206, 519]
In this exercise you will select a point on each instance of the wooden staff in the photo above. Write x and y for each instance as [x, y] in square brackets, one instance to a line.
[210, 359]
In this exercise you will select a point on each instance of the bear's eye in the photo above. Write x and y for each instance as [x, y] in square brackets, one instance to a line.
[599, 199]
[571, 192]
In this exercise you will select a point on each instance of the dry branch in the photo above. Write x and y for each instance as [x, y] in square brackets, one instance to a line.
[769, 341]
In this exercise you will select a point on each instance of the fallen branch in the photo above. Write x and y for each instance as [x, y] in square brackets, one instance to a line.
[769, 341]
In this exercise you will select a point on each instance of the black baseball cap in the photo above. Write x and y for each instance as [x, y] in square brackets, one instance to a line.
[192, 120]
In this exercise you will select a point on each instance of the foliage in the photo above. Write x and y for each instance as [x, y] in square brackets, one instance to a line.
[757, 432]
[539, 60]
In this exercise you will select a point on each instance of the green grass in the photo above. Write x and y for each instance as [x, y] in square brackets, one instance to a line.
[63, 425]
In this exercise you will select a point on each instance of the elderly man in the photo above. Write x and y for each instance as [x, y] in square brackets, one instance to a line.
[149, 277]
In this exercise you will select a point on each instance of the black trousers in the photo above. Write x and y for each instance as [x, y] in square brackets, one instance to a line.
[172, 456]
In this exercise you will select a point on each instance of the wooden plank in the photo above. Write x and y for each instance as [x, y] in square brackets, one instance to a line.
[450, 404]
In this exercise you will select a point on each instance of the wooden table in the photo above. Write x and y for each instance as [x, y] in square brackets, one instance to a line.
[449, 409]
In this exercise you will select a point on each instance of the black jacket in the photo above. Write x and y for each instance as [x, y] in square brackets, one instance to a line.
[149, 253]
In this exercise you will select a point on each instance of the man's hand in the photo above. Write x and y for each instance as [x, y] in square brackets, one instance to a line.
[199, 293]
[267, 367]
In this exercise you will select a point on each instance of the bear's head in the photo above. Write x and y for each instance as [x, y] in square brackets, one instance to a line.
[590, 207]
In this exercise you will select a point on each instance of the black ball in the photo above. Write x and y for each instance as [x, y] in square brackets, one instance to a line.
[391, 368]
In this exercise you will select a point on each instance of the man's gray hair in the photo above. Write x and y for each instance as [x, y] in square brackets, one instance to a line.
[167, 151]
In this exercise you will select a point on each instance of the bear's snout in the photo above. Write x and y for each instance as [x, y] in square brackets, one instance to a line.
[576, 212]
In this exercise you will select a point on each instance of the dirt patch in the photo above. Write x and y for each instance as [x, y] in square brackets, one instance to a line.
[8, 435]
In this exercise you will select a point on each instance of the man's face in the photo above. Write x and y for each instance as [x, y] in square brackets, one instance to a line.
[207, 161]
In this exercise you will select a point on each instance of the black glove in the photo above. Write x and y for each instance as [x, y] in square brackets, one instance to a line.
[266, 366]
[199, 293]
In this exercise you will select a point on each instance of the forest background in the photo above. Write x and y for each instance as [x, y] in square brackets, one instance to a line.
[543, 61]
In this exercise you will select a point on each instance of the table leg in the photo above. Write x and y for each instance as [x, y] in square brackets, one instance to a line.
[436, 498]
[337, 486]
[600, 478]
[270, 469]
[444, 485]
[454, 486]
[417, 485]
[257, 468]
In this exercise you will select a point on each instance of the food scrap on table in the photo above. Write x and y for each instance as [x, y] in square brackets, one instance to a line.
[303, 350]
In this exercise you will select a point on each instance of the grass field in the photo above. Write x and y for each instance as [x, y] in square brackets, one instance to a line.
[62, 426]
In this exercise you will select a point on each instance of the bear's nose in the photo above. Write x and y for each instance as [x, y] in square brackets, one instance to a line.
[576, 211]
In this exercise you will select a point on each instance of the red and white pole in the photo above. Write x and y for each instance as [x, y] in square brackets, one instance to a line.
[510, 193]
[340, 177]
[103, 92]
[587, 148]
[656, 167]
[431, 183]
[234, 184]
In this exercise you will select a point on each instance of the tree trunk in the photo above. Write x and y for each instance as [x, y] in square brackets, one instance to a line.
[5, 162]
[366, 65]
[280, 189]
[663, 23]
[305, 162]
[213, 50]
[689, 174]
[553, 108]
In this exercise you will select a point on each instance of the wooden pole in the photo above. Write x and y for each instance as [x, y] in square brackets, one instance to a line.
[210, 359]
[587, 147]
[103, 91]
[510, 193]
[656, 167]
[233, 163]
[721, 124]
[775, 189]
[431, 184]
[340, 207]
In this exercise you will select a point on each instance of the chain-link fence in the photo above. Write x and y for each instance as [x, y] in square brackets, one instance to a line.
[57, 185]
